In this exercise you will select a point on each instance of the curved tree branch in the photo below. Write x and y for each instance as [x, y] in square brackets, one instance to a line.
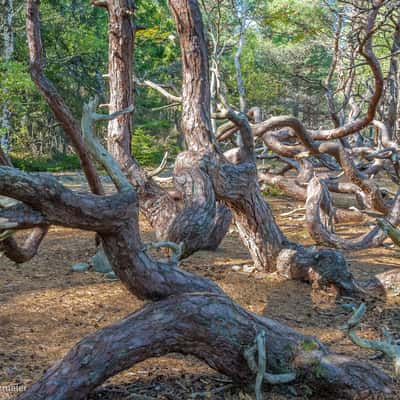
[213, 329]
[54, 100]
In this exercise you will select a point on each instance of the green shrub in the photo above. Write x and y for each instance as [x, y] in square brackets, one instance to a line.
[146, 149]
[55, 163]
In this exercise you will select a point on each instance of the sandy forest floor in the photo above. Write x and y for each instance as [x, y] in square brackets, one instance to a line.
[45, 309]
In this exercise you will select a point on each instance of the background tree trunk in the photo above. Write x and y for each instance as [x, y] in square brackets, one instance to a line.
[121, 35]
[208, 324]
[390, 115]
[7, 53]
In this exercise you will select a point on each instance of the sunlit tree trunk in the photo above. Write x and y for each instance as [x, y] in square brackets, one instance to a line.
[393, 87]
[121, 33]
[201, 224]
[192, 315]
[7, 53]
[242, 8]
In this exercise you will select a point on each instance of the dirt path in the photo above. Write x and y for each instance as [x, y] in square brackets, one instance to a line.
[45, 309]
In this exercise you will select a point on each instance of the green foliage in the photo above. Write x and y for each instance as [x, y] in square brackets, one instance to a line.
[286, 56]
[309, 345]
[272, 190]
[75, 56]
[15, 79]
[294, 21]
[157, 57]
[56, 163]
[146, 149]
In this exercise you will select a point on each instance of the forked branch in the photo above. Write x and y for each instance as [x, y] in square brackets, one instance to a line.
[99, 153]
[160, 168]
[56, 102]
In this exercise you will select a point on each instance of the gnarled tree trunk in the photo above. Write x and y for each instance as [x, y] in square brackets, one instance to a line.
[215, 330]
[237, 184]
[208, 324]
[200, 224]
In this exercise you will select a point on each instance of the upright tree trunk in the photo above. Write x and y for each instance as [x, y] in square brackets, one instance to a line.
[200, 224]
[392, 102]
[121, 33]
[196, 121]
[194, 317]
[7, 53]
[236, 185]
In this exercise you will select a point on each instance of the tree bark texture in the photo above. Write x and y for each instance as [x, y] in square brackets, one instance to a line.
[7, 53]
[213, 329]
[236, 185]
[207, 325]
[9, 245]
[193, 315]
[121, 33]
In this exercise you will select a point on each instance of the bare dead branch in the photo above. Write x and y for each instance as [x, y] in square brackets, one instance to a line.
[161, 179]
[89, 116]
[160, 168]
[259, 367]
[321, 234]
[169, 96]
[387, 346]
[241, 121]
